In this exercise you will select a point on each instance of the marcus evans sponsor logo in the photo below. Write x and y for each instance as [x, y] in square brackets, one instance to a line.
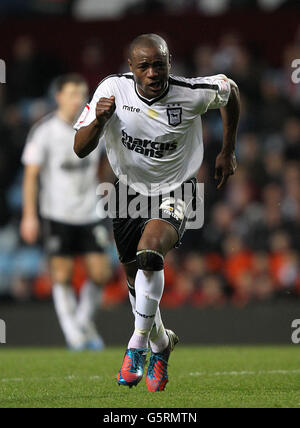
[152, 149]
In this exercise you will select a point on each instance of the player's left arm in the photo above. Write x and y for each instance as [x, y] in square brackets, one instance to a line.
[226, 160]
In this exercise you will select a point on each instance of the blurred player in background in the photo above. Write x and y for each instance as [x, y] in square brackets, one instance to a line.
[68, 209]
[151, 122]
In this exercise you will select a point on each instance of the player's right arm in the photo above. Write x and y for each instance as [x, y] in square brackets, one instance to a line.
[87, 137]
[29, 227]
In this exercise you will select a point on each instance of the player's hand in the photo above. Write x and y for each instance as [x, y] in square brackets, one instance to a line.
[225, 166]
[105, 108]
[29, 229]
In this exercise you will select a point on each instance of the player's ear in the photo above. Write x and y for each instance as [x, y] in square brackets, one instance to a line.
[130, 64]
[170, 57]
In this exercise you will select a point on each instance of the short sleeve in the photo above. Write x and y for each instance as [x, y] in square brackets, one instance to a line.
[35, 149]
[218, 97]
[106, 90]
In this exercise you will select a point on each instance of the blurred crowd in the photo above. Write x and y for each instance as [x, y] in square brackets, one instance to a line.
[248, 249]
[95, 9]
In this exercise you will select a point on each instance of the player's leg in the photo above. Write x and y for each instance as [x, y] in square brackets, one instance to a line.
[127, 234]
[130, 271]
[156, 337]
[58, 244]
[61, 268]
[178, 207]
[99, 272]
[157, 239]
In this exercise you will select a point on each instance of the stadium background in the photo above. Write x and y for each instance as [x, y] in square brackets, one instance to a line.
[238, 278]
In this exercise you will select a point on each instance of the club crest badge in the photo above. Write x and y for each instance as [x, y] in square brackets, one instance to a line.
[174, 115]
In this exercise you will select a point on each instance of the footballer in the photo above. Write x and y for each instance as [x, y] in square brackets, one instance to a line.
[151, 123]
[67, 206]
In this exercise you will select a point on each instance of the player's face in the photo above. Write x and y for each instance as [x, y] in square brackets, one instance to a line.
[71, 98]
[150, 67]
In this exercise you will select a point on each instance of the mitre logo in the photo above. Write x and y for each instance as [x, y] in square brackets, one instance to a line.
[132, 109]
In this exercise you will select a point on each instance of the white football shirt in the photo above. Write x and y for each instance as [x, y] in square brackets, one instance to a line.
[156, 143]
[68, 184]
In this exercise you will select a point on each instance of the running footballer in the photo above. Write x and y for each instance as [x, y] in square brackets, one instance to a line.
[151, 123]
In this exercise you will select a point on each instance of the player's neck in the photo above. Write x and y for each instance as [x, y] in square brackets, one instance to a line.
[65, 117]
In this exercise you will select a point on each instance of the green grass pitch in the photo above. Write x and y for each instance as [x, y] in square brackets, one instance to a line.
[198, 377]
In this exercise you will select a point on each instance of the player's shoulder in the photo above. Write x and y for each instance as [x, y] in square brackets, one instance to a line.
[43, 124]
[117, 79]
[194, 83]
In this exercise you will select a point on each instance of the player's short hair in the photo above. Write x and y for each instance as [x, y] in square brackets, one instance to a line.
[61, 81]
[146, 40]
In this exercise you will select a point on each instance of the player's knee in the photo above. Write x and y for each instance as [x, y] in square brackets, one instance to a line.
[61, 277]
[102, 277]
[61, 271]
[149, 260]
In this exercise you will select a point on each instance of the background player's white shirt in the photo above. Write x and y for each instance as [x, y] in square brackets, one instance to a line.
[157, 141]
[68, 184]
